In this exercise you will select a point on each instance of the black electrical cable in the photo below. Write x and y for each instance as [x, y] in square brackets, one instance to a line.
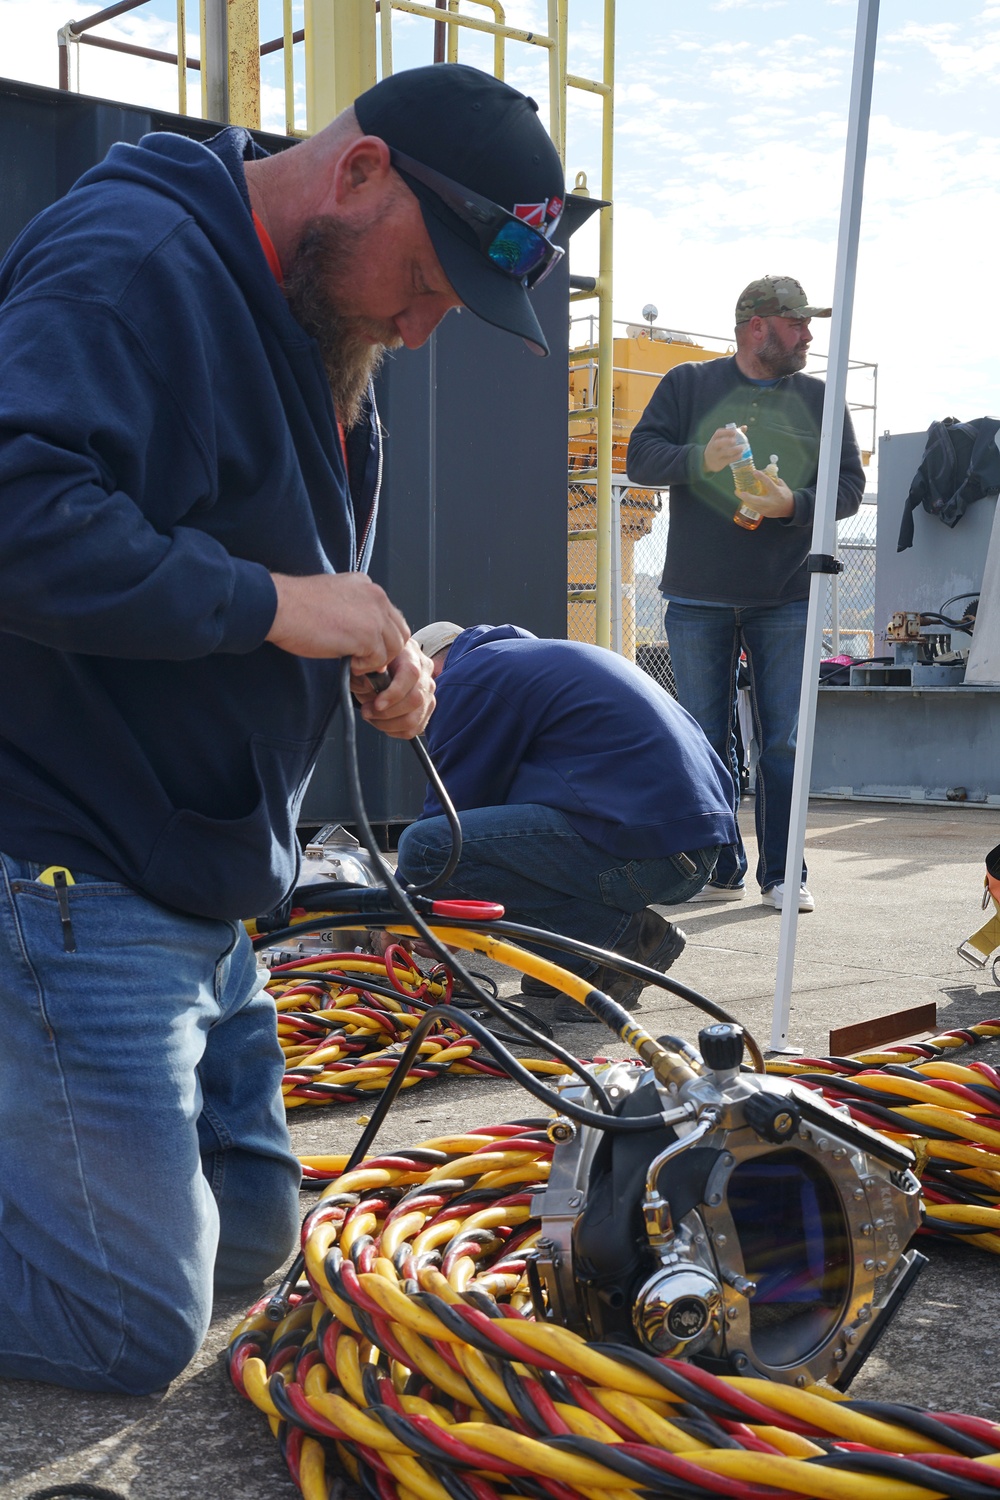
[974, 594]
[76, 1491]
[859, 1091]
[380, 681]
[867, 661]
[949, 1180]
[540, 936]
[448, 806]
[886, 1115]
[613, 1456]
[926, 1424]
[965, 624]
[948, 1227]
[278, 1302]
[386, 991]
[907, 1471]
[616, 1124]
[403, 903]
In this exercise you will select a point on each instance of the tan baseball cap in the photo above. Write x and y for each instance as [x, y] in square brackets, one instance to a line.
[776, 297]
[434, 638]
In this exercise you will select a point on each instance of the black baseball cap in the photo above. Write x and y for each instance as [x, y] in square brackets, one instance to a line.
[486, 137]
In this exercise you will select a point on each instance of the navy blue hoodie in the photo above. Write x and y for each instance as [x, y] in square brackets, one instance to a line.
[167, 439]
[582, 730]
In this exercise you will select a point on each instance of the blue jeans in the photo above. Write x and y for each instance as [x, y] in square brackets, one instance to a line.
[143, 1144]
[705, 643]
[546, 875]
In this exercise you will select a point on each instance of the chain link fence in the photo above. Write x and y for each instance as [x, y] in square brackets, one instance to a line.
[642, 631]
[850, 607]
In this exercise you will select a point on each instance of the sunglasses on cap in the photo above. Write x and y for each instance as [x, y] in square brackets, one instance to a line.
[510, 244]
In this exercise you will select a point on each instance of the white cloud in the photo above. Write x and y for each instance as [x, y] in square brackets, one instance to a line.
[729, 147]
[748, 4]
[962, 55]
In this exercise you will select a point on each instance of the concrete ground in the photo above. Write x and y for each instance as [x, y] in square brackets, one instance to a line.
[897, 889]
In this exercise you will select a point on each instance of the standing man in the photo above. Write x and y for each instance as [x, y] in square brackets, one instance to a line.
[730, 589]
[189, 463]
[585, 794]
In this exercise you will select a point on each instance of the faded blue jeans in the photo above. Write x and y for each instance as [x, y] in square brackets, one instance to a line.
[705, 643]
[530, 859]
[143, 1147]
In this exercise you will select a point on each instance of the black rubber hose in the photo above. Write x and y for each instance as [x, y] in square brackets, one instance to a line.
[614, 1123]
[448, 807]
[380, 681]
[402, 902]
[539, 935]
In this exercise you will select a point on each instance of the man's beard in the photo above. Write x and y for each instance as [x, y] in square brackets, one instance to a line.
[777, 360]
[317, 286]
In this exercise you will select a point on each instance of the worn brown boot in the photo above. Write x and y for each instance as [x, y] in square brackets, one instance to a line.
[648, 939]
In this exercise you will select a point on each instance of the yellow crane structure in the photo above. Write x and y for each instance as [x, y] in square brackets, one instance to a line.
[639, 358]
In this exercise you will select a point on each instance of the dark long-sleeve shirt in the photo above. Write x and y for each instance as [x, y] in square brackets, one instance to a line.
[708, 557]
[167, 439]
[569, 726]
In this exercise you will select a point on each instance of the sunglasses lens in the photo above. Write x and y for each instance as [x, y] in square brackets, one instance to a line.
[519, 250]
[540, 272]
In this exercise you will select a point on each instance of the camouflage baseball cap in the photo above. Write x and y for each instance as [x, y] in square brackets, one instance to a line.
[776, 297]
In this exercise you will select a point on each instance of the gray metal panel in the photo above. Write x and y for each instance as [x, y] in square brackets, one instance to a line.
[917, 744]
[942, 562]
[49, 138]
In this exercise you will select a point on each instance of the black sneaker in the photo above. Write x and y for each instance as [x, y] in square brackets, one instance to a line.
[537, 988]
[558, 1009]
[555, 1006]
[648, 939]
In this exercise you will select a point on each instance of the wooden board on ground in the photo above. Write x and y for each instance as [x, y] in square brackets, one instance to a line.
[900, 1026]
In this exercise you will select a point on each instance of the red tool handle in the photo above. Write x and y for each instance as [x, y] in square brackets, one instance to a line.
[483, 911]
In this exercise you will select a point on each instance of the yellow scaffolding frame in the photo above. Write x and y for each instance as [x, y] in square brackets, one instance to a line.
[555, 43]
[229, 62]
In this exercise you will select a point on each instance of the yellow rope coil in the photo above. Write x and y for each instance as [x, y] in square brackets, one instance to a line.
[341, 1038]
[947, 1113]
[410, 1356]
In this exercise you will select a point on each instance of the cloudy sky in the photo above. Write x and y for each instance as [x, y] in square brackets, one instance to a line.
[729, 150]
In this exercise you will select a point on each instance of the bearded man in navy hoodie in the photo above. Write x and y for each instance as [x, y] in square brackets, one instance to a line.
[585, 793]
[189, 465]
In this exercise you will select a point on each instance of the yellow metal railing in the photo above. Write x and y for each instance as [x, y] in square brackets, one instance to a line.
[555, 43]
[230, 45]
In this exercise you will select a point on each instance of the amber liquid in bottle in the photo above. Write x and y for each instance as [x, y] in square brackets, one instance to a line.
[745, 479]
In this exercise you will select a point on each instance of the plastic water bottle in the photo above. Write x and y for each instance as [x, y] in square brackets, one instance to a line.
[745, 478]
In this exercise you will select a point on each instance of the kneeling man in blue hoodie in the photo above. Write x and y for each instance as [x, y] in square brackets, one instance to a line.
[586, 794]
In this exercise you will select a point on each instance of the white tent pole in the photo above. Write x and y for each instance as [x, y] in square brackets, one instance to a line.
[824, 536]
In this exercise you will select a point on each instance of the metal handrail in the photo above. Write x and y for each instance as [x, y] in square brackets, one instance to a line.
[587, 356]
[555, 43]
[76, 33]
[499, 41]
[455, 21]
